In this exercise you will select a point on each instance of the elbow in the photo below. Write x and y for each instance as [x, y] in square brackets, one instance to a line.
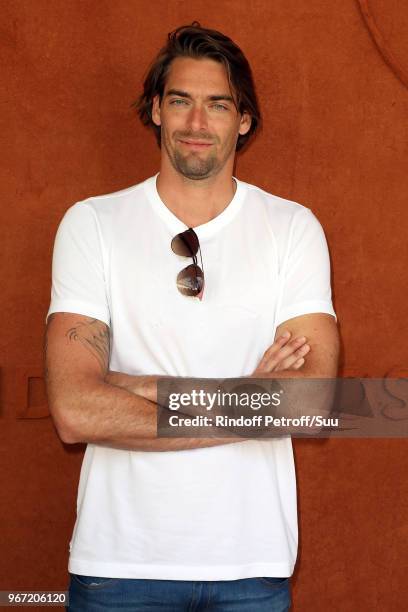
[67, 436]
[63, 423]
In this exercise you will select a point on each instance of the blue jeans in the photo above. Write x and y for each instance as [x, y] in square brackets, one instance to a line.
[92, 594]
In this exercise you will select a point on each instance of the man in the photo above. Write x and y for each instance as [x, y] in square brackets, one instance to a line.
[184, 523]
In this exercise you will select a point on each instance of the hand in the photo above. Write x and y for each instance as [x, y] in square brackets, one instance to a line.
[283, 354]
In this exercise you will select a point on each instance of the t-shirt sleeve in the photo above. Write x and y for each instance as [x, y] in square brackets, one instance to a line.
[306, 273]
[78, 279]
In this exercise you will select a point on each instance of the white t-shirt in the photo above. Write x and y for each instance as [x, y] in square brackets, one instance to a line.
[218, 513]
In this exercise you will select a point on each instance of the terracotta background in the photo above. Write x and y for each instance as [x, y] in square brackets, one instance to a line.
[334, 138]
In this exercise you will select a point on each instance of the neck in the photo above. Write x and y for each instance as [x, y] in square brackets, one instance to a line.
[195, 202]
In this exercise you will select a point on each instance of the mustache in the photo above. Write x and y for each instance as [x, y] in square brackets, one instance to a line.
[189, 135]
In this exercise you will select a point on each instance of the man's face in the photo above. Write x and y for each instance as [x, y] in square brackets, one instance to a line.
[199, 122]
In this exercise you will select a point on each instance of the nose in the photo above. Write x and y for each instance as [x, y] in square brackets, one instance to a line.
[198, 118]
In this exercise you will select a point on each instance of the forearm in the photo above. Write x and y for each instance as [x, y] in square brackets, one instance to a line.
[110, 416]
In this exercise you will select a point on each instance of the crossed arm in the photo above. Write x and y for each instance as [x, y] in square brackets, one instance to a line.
[90, 404]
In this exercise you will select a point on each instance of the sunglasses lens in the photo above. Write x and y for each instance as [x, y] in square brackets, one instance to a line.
[190, 280]
[185, 244]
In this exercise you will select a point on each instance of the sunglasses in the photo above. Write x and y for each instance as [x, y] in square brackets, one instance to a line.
[190, 281]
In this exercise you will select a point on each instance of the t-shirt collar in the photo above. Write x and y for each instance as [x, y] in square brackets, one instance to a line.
[205, 230]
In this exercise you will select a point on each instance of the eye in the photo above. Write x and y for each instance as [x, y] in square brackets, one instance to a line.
[178, 102]
[220, 107]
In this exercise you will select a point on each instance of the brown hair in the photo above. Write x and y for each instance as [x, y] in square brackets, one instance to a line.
[197, 42]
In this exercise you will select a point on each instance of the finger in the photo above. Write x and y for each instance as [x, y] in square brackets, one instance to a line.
[288, 362]
[298, 364]
[275, 358]
[274, 352]
[279, 343]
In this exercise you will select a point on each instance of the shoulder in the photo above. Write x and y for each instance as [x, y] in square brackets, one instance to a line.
[278, 209]
[105, 208]
[116, 199]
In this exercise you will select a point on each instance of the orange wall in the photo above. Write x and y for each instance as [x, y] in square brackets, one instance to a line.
[334, 138]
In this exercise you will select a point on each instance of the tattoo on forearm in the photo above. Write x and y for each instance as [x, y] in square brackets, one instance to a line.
[94, 336]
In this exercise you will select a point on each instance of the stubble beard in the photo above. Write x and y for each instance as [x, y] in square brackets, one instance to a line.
[191, 165]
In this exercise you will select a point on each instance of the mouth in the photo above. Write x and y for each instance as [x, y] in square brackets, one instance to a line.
[198, 145]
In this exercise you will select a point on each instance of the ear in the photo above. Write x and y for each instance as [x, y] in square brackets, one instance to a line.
[156, 111]
[245, 123]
